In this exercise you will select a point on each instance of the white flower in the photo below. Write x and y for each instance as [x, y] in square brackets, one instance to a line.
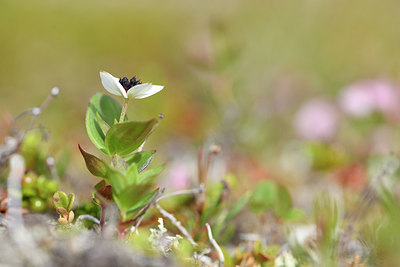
[128, 89]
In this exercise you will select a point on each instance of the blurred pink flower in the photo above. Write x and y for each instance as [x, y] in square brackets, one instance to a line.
[362, 98]
[179, 177]
[316, 120]
[385, 95]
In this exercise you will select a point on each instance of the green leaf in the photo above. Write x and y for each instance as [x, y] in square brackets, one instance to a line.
[99, 185]
[103, 125]
[71, 198]
[149, 176]
[99, 168]
[325, 157]
[119, 163]
[229, 260]
[213, 202]
[142, 159]
[294, 214]
[62, 211]
[61, 200]
[96, 166]
[238, 207]
[132, 174]
[263, 197]
[108, 109]
[124, 138]
[117, 180]
[141, 203]
[283, 203]
[132, 198]
[102, 191]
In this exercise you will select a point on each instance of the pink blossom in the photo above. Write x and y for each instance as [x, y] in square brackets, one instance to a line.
[385, 95]
[316, 120]
[362, 98]
[179, 177]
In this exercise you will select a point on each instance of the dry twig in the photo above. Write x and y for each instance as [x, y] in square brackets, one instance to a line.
[216, 246]
[175, 222]
[182, 192]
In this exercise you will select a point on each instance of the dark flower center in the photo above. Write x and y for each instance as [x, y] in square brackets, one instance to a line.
[127, 84]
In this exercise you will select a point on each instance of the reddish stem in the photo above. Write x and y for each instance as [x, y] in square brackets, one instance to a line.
[102, 217]
[122, 228]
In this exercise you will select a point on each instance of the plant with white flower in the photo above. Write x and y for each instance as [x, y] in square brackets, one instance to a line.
[128, 89]
[126, 177]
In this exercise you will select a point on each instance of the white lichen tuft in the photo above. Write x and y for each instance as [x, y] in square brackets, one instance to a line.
[202, 260]
[161, 241]
[285, 259]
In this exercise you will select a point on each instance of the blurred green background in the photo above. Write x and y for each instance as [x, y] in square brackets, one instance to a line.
[225, 65]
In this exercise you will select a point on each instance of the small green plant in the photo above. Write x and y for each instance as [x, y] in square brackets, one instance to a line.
[43, 174]
[63, 204]
[126, 179]
[37, 192]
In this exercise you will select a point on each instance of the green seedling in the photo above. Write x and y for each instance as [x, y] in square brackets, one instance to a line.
[63, 204]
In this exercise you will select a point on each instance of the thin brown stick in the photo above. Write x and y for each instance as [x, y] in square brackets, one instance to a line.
[200, 166]
[36, 111]
[212, 151]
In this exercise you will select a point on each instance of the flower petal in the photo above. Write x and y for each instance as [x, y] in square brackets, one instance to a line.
[112, 85]
[144, 90]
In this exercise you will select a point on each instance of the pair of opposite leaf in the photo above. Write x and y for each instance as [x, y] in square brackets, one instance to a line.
[123, 172]
[131, 187]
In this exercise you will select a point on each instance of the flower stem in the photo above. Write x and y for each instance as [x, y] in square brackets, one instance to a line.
[123, 112]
